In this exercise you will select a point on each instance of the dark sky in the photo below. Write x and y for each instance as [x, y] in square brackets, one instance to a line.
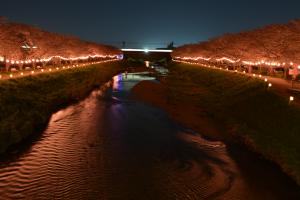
[145, 23]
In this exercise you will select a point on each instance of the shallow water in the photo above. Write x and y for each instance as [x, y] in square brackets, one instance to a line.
[111, 147]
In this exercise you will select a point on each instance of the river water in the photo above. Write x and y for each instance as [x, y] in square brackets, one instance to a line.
[109, 146]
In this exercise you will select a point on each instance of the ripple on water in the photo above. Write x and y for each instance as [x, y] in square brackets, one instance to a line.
[104, 148]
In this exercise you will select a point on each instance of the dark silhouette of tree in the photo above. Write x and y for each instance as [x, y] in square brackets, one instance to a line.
[171, 45]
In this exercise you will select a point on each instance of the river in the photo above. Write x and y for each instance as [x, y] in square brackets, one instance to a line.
[109, 146]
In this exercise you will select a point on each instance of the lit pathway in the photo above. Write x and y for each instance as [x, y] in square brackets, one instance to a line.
[280, 86]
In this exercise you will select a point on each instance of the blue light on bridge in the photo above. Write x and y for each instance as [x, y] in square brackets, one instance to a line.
[120, 56]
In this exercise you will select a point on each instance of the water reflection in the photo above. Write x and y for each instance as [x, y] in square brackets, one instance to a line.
[117, 79]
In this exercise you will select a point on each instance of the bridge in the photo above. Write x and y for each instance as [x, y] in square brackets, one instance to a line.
[148, 50]
[147, 54]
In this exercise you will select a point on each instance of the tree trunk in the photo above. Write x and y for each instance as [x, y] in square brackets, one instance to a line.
[7, 65]
[250, 69]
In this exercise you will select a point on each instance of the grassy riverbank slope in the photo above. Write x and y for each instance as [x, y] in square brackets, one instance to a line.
[230, 107]
[27, 103]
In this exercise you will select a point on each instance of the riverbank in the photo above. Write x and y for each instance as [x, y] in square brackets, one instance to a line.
[230, 107]
[27, 103]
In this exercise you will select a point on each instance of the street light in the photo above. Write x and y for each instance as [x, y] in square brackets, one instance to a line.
[291, 99]
[147, 63]
[27, 47]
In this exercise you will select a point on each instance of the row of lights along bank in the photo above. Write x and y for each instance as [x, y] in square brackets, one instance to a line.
[269, 85]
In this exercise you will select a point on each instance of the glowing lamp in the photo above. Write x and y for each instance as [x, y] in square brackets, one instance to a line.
[292, 98]
[270, 85]
[22, 73]
[147, 63]
[32, 72]
[266, 80]
[42, 70]
[10, 75]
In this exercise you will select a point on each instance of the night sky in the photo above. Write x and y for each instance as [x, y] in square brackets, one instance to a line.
[149, 23]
